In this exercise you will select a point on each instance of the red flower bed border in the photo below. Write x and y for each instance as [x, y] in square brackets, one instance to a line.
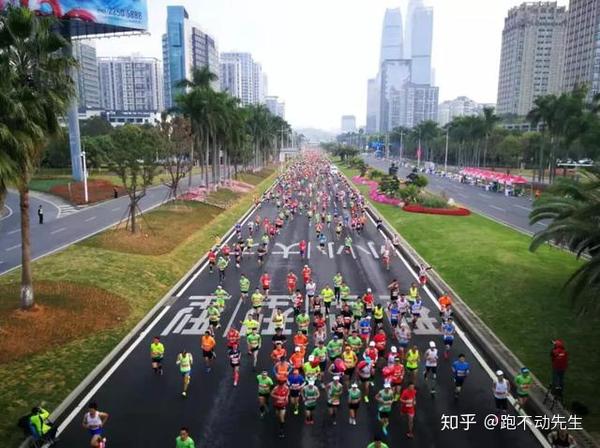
[458, 211]
[98, 190]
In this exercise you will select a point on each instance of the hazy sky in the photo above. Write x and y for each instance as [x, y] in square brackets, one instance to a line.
[318, 54]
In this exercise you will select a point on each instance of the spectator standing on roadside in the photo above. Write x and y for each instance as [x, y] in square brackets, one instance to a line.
[560, 363]
[40, 214]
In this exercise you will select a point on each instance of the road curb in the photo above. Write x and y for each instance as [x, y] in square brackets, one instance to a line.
[136, 331]
[492, 347]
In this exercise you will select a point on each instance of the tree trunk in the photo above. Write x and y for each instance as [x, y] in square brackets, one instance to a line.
[485, 149]
[206, 149]
[27, 300]
[132, 216]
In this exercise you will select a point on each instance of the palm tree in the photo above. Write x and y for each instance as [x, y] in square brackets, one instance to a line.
[574, 208]
[490, 119]
[36, 93]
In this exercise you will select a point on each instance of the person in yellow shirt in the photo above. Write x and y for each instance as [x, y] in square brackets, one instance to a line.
[350, 360]
[157, 353]
[413, 358]
[39, 421]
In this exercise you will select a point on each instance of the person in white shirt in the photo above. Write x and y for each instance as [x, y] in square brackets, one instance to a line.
[501, 389]
[431, 362]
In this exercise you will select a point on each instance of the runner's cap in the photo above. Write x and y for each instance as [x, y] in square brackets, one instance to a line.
[499, 372]
[394, 349]
[432, 344]
[524, 370]
[311, 381]
[297, 349]
[336, 378]
[368, 289]
[386, 385]
[354, 385]
[311, 358]
[372, 344]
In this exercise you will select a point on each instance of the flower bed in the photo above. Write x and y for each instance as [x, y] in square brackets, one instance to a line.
[376, 196]
[98, 190]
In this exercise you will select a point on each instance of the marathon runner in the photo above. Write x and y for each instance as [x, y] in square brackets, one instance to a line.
[185, 361]
[157, 353]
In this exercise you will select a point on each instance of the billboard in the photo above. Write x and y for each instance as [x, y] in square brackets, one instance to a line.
[127, 14]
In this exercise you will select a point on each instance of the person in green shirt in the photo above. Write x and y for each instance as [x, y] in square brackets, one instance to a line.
[157, 353]
[184, 440]
[354, 397]
[222, 264]
[358, 309]
[377, 443]
[524, 381]
[244, 286]
[221, 296]
[185, 361]
[303, 321]
[310, 395]
[385, 399]
[334, 348]
[334, 395]
[257, 300]
[254, 341]
[337, 287]
[320, 352]
[344, 292]
[355, 341]
[265, 384]
[328, 296]
[43, 427]
[214, 315]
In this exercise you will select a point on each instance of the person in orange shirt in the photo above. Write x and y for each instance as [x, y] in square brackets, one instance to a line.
[278, 352]
[445, 304]
[282, 369]
[301, 340]
[297, 359]
[207, 343]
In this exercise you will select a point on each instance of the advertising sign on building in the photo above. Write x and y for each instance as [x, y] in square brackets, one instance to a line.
[131, 14]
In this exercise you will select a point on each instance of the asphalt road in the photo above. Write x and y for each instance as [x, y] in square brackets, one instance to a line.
[59, 230]
[147, 410]
[513, 211]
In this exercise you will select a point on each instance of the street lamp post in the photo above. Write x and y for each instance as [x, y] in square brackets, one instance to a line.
[446, 156]
[85, 176]
[401, 144]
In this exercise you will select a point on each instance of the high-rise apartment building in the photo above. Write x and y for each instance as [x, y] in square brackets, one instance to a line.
[88, 84]
[185, 46]
[372, 106]
[275, 106]
[458, 107]
[131, 83]
[394, 76]
[419, 41]
[348, 123]
[532, 55]
[582, 46]
[392, 36]
[243, 78]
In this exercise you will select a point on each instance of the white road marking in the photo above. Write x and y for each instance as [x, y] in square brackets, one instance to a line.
[483, 195]
[330, 249]
[8, 249]
[10, 212]
[527, 209]
[115, 209]
[13, 231]
[235, 311]
[308, 251]
[462, 195]
[498, 208]
[536, 432]
[62, 229]
[90, 219]
[541, 224]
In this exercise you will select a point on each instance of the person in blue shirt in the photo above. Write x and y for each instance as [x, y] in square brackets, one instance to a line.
[295, 383]
[322, 241]
[461, 369]
[448, 330]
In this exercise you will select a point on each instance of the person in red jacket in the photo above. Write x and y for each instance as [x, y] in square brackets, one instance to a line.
[560, 363]
[265, 281]
[291, 283]
[212, 259]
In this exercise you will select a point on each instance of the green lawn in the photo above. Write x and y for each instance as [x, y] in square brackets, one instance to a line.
[141, 280]
[516, 292]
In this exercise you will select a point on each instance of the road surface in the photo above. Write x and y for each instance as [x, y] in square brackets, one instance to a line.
[60, 230]
[147, 410]
[513, 211]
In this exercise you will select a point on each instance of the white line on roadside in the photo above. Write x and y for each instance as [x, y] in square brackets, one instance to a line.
[10, 212]
[536, 432]
[498, 208]
[90, 219]
[13, 231]
[483, 195]
[541, 224]
[114, 209]
[228, 326]
[54, 232]
[527, 209]
[8, 249]
[77, 409]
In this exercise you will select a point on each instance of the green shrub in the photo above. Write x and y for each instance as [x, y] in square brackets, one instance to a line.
[431, 201]
[375, 174]
[410, 193]
[421, 181]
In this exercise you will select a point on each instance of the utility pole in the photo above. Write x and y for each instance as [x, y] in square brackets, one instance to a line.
[401, 144]
[387, 145]
[446, 156]
[419, 151]
[85, 177]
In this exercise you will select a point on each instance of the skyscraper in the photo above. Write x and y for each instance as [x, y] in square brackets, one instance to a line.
[275, 106]
[243, 77]
[532, 55]
[348, 123]
[394, 76]
[185, 46]
[372, 106]
[392, 36]
[419, 40]
[582, 52]
[458, 107]
[88, 84]
[131, 84]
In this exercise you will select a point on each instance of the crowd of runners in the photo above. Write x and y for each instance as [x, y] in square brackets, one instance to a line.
[348, 349]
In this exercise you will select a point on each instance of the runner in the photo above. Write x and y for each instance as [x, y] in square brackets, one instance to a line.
[378, 314]
[311, 289]
[183, 440]
[397, 377]
[445, 305]
[408, 400]
[334, 394]
[423, 274]
[257, 301]
[319, 355]
[278, 319]
[413, 293]
[368, 300]
[310, 395]
[354, 397]
[365, 373]
[338, 280]
[523, 381]
[348, 244]
[234, 360]
[364, 327]
[344, 293]
[207, 343]
[377, 443]
[328, 296]
[415, 310]
[244, 286]
[385, 399]
[185, 361]
[265, 281]
[265, 384]
[413, 358]
[214, 315]
[233, 337]
[350, 361]
[302, 248]
[94, 421]
[431, 361]
[385, 257]
[157, 353]
[306, 274]
[281, 396]
[461, 369]
[448, 330]
[292, 280]
[394, 289]
[261, 251]
[295, 382]
[501, 389]
[254, 341]
[212, 259]
[303, 321]
[222, 264]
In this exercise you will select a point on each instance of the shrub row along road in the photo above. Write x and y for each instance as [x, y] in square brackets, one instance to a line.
[147, 409]
[59, 232]
[513, 211]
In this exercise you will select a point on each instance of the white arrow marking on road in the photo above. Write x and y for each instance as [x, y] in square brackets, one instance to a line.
[13, 231]
[115, 209]
[330, 249]
[285, 250]
[527, 209]
[363, 249]
[8, 249]
[228, 326]
[308, 251]
[498, 208]
[62, 229]
[90, 219]
[371, 245]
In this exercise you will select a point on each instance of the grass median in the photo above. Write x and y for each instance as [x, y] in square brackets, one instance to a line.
[132, 278]
[515, 292]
